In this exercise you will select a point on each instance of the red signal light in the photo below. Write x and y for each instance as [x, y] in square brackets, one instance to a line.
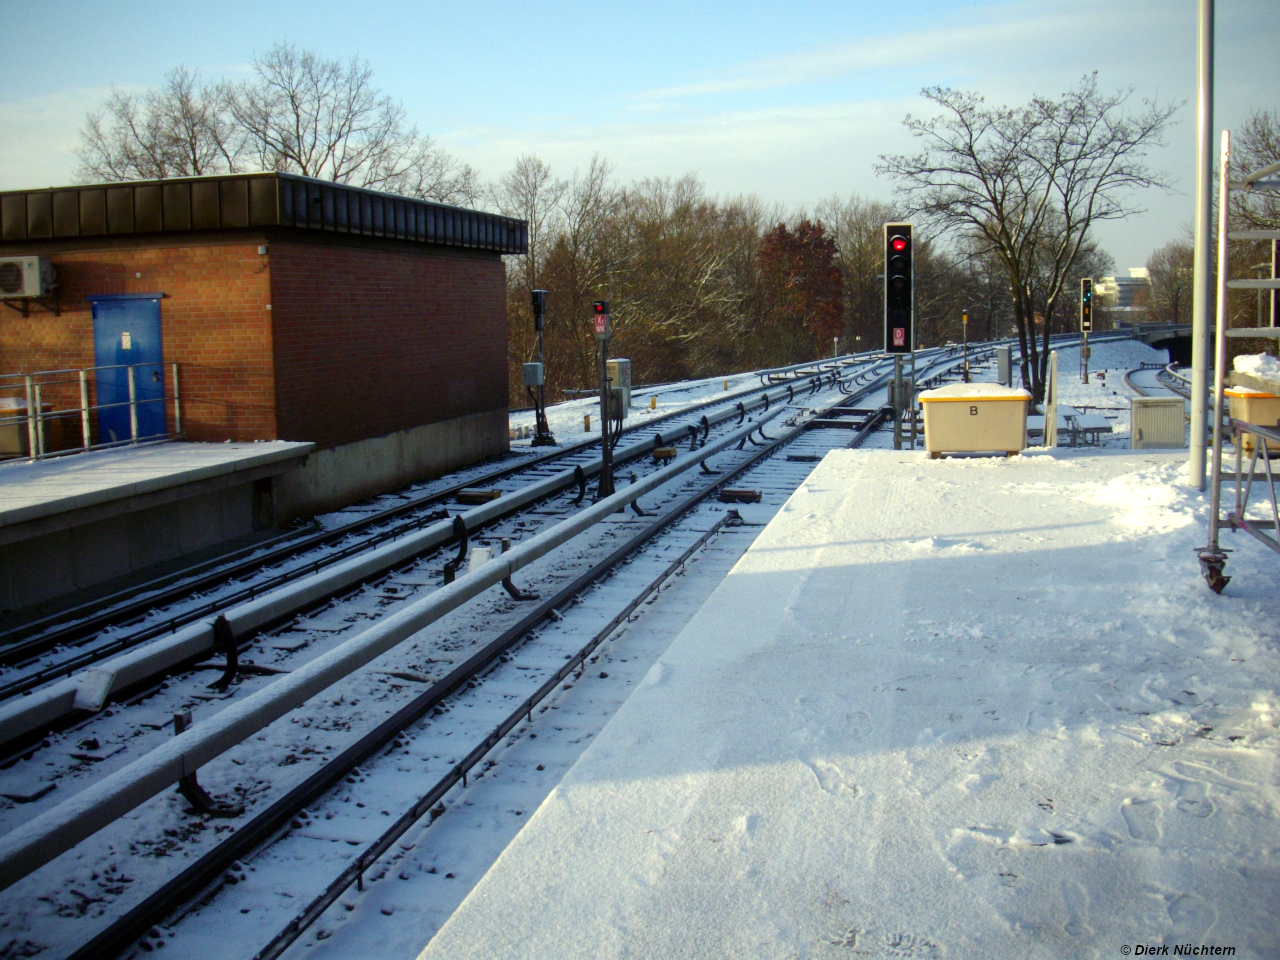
[898, 243]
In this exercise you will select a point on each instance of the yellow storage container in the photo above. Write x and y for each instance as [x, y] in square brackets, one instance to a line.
[974, 418]
[1254, 406]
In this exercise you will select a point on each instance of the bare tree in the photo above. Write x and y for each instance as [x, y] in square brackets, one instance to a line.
[1028, 183]
[1170, 271]
[1254, 146]
[528, 191]
[857, 227]
[325, 118]
[583, 257]
[180, 129]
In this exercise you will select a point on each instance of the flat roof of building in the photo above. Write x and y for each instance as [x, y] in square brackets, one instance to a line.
[235, 201]
[104, 479]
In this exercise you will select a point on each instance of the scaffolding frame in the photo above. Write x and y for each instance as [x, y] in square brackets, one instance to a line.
[1213, 556]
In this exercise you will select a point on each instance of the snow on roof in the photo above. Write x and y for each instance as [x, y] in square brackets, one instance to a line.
[980, 391]
[1259, 365]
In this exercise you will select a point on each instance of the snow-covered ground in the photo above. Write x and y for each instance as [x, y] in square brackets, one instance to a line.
[958, 708]
[566, 419]
[1106, 395]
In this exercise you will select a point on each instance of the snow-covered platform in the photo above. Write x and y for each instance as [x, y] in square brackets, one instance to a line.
[959, 708]
[74, 521]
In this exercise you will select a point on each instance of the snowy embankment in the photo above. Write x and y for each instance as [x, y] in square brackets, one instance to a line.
[567, 423]
[1107, 394]
[958, 708]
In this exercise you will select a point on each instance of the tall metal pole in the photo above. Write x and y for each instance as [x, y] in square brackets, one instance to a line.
[897, 402]
[542, 433]
[1212, 554]
[543, 428]
[1202, 292]
[964, 323]
[603, 331]
[606, 449]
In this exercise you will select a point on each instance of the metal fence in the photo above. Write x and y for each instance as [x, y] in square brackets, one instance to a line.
[52, 413]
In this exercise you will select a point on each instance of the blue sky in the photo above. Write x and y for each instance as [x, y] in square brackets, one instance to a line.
[790, 101]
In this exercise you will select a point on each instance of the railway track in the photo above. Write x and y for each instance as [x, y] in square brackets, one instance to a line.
[391, 536]
[291, 797]
[24, 639]
[1166, 380]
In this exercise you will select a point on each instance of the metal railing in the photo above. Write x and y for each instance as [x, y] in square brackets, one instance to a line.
[1264, 438]
[1213, 556]
[47, 402]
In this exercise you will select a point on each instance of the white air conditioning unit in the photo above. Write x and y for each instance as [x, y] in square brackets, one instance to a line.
[26, 277]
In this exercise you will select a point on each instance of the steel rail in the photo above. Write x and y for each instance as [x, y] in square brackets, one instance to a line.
[13, 649]
[36, 842]
[195, 878]
[1160, 377]
[26, 716]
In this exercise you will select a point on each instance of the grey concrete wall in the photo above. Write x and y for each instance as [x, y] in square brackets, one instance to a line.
[53, 564]
[333, 478]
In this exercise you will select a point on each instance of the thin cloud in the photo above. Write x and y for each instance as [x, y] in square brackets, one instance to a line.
[41, 135]
[863, 54]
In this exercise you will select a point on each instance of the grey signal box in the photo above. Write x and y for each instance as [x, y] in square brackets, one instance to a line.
[1004, 365]
[532, 374]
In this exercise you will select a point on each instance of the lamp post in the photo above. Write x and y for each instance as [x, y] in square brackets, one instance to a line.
[964, 326]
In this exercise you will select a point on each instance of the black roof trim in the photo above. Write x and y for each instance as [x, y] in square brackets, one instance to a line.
[249, 200]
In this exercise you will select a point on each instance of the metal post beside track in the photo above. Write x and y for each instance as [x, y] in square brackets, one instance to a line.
[31, 417]
[177, 404]
[39, 423]
[897, 403]
[133, 406]
[84, 408]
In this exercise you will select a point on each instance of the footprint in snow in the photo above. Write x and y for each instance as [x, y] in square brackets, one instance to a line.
[1192, 917]
[832, 779]
[1024, 837]
[911, 945]
[1193, 799]
[1142, 817]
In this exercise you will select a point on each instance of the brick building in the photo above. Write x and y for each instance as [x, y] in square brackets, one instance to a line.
[295, 309]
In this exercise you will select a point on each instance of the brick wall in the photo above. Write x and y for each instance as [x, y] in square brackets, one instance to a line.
[328, 342]
[371, 341]
[214, 321]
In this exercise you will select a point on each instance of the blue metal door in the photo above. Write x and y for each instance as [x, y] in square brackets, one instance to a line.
[126, 335]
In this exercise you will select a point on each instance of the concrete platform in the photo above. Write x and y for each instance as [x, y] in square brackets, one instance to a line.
[77, 521]
[959, 708]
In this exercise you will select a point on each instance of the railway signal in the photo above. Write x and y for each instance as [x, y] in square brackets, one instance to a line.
[899, 320]
[899, 289]
[535, 379]
[600, 316]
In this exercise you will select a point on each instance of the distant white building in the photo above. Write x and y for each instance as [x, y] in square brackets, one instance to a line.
[1125, 297]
